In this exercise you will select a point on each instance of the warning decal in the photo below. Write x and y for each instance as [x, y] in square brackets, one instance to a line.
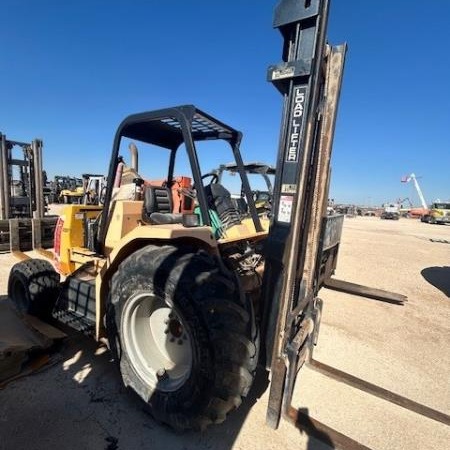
[285, 208]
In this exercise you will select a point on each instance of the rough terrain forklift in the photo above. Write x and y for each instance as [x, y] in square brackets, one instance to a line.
[261, 197]
[190, 295]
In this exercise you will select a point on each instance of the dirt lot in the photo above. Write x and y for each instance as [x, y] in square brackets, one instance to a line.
[79, 402]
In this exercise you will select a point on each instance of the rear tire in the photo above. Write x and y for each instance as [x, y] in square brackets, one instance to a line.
[34, 287]
[185, 340]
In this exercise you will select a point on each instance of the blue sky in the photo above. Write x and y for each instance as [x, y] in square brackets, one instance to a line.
[71, 71]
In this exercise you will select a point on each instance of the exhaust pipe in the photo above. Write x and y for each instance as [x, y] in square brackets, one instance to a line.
[119, 172]
[134, 156]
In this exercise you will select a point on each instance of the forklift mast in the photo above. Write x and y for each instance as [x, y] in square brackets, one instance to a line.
[309, 79]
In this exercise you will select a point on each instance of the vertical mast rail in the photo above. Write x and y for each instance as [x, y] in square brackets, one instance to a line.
[300, 79]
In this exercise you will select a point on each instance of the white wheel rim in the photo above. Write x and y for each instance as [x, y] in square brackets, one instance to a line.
[157, 342]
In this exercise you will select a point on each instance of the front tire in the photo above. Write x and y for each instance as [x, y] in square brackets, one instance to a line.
[185, 339]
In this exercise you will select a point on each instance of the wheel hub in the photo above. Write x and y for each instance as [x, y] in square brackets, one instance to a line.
[175, 328]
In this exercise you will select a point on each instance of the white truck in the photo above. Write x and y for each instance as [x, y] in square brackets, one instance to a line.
[391, 211]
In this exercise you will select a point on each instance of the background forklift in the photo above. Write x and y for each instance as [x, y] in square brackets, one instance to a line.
[67, 189]
[94, 189]
[261, 197]
[190, 295]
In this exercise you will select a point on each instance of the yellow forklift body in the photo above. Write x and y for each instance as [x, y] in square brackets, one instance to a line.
[78, 192]
[245, 230]
[126, 234]
[72, 235]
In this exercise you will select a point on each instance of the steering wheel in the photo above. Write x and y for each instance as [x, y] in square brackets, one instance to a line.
[214, 178]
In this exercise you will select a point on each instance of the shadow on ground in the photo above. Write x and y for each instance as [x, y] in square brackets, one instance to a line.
[80, 403]
[439, 277]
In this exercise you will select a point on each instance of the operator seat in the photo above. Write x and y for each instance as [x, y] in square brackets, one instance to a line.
[157, 207]
[219, 199]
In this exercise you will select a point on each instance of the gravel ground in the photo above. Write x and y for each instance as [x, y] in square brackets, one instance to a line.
[79, 403]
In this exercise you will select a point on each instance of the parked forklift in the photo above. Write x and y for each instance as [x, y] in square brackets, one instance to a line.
[261, 197]
[24, 222]
[21, 179]
[191, 296]
[68, 189]
[94, 189]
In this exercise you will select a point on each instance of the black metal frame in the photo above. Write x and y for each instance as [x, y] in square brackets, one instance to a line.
[169, 128]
